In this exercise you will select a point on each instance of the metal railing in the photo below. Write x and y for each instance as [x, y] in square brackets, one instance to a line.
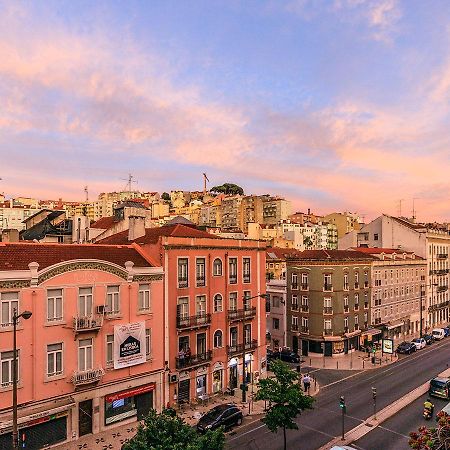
[294, 286]
[328, 332]
[241, 314]
[233, 279]
[305, 330]
[199, 320]
[294, 327]
[304, 286]
[442, 255]
[328, 310]
[239, 348]
[81, 377]
[182, 282]
[346, 308]
[200, 281]
[305, 308]
[193, 360]
[328, 287]
[87, 323]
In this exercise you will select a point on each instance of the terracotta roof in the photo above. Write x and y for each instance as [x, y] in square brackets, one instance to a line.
[387, 251]
[152, 235]
[104, 223]
[17, 256]
[281, 253]
[333, 255]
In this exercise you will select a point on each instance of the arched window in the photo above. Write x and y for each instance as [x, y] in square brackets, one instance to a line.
[217, 339]
[217, 303]
[217, 267]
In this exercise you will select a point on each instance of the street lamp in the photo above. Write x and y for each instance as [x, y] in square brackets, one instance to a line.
[244, 379]
[26, 315]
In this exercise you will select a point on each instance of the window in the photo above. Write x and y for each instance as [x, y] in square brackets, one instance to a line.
[247, 301]
[294, 323]
[217, 303]
[345, 281]
[275, 301]
[327, 285]
[304, 281]
[356, 280]
[305, 305]
[246, 269]
[346, 324]
[200, 272]
[294, 304]
[54, 359]
[6, 359]
[276, 324]
[304, 324]
[294, 279]
[233, 301]
[217, 267]
[356, 323]
[10, 302]
[345, 303]
[112, 300]
[109, 349]
[247, 333]
[200, 305]
[327, 325]
[148, 342]
[84, 354]
[233, 336]
[233, 270]
[327, 306]
[54, 305]
[85, 301]
[183, 272]
[144, 297]
[217, 339]
[183, 307]
[375, 236]
[356, 302]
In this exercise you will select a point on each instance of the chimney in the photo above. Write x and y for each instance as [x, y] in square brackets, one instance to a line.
[136, 227]
[10, 235]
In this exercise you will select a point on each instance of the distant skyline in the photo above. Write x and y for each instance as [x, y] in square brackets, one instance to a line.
[335, 104]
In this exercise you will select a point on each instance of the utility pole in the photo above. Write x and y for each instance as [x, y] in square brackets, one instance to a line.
[374, 397]
[344, 409]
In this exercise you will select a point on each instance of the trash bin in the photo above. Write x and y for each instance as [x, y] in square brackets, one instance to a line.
[373, 359]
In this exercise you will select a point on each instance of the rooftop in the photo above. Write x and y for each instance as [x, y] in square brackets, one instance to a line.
[332, 255]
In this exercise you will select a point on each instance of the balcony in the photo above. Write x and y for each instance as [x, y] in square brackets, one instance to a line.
[356, 327]
[90, 376]
[193, 360]
[328, 332]
[294, 327]
[442, 288]
[442, 256]
[182, 283]
[200, 281]
[305, 330]
[328, 287]
[356, 307]
[305, 308]
[239, 348]
[294, 286]
[345, 329]
[366, 284]
[346, 287]
[294, 306]
[328, 310]
[346, 309]
[233, 279]
[197, 321]
[440, 272]
[87, 323]
[304, 286]
[366, 305]
[246, 278]
[241, 314]
[356, 285]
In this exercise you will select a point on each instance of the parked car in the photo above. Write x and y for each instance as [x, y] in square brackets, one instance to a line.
[285, 355]
[438, 333]
[419, 343]
[429, 339]
[406, 347]
[440, 387]
[446, 331]
[226, 415]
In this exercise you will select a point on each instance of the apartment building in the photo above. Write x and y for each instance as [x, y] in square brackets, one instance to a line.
[213, 310]
[275, 210]
[12, 216]
[328, 300]
[276, 291]
[91, 356]
[345, 222]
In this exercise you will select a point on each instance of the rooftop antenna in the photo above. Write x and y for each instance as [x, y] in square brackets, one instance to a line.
[129, 181]
[399, 210]
[205, 179]
[413, 208]
[87, 193]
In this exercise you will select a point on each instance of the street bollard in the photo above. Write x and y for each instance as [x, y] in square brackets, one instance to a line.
[337, 365]
[309, 362]
[363, 364]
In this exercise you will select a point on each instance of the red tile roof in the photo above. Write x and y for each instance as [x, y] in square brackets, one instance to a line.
[333, 255]
[152, 235]
[281, 253]
[104, 223]
[377, 250]
[17, 256]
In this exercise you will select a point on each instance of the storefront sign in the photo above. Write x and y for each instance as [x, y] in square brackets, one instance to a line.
[129, 345]
[130, 393]
[388, 346]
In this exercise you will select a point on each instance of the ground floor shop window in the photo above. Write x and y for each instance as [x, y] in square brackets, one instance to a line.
[338, 347]
[217, 381]
[201, 385]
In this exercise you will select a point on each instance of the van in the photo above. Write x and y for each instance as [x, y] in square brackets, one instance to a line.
[438, 334]
[440, 387]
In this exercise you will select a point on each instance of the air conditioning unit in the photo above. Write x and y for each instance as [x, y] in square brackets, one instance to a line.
[173, 378]
[100, 309]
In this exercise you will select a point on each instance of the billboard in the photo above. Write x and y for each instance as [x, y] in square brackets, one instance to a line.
[388, 346]
[129, 345]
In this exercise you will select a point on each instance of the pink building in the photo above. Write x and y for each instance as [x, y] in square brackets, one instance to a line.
[209, 316]
[91, 356]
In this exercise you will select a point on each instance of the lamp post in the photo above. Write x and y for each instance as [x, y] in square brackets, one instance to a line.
[26, 315]
[244, 379]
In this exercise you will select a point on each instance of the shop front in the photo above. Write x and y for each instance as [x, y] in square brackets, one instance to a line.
[217, 377]
[233, 373]
[200, 382]
[370, 337]
[123, 405]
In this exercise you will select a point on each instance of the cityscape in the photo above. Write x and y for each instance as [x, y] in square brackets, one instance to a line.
[211, 238]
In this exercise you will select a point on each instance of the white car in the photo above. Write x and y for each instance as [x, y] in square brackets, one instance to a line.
[419, 343]
[438, 334]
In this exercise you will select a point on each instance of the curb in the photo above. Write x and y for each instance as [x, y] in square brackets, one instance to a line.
[371, 423]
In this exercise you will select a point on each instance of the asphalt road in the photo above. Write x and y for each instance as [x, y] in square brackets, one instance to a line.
[319, 426]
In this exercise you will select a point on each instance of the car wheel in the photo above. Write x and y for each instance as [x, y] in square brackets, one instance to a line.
[239, 421]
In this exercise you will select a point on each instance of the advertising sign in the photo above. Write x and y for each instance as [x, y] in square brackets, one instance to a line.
[129, 345]
[388, 346]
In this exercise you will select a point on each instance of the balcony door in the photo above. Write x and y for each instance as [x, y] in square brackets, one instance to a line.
[201, 343]
[84, 354]
[85, 302]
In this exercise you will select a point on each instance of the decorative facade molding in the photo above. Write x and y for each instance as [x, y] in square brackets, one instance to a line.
[141, 278]
[14, 284]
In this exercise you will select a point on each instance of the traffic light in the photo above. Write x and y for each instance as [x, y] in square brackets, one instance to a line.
[374, 393]
[342, 403]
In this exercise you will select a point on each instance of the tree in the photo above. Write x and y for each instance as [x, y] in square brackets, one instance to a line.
[432, 438]
[165, 196]
[285, 398]
[228, 188]
[166, 430]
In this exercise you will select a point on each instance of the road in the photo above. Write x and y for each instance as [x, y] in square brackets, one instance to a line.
[319, 426]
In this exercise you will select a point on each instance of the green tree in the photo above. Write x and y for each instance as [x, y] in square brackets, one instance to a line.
[228, 188]
[165, 196]
[167, 431]
[285, 398]
[437, 438]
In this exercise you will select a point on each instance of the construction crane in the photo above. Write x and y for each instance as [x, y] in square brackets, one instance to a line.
[129, 181]
[205, 179]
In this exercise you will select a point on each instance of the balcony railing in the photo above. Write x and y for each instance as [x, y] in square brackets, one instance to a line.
[294, 327]
[345, 329]
[305, 330]
[346, 287]
[193, 360]
[200, 281]
[82, 377]
[356, 307]
[439, 272]
[294, 306]
[356, 285]
[328, 287]
[199, 320]
[346, 308]
[356, 327]
[366, 284]
[239, 348]
[233, 279]
[294, 286]
[328, 332]
[442, 255]
[328, 310]
[241, 314]
[87, 323]
[442, 288]
[246, 278]
[182, 282]
[366, 305]
[304, 286]
[305, 308]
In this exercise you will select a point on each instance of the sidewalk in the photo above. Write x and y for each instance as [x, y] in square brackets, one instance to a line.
[115, 438]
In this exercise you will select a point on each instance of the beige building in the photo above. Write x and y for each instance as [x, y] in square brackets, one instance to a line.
[12, 217]
[345, 222]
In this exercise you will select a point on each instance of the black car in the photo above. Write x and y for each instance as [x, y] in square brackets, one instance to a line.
[225, 416]
[285, 355]
[429, 339]
[406, 347]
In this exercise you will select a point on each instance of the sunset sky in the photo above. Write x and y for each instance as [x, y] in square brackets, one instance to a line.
[334, 104]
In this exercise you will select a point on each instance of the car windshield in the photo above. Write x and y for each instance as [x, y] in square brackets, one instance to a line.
[438, 384]
[436, 332]
[416, 340]
[215, 413]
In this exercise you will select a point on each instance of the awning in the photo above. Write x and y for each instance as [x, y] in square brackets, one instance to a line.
[395, 324]
[352, 334]
[371, 332]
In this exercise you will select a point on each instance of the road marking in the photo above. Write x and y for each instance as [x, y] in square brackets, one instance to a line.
[247, 432]
[315, 429]
[392, 431]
